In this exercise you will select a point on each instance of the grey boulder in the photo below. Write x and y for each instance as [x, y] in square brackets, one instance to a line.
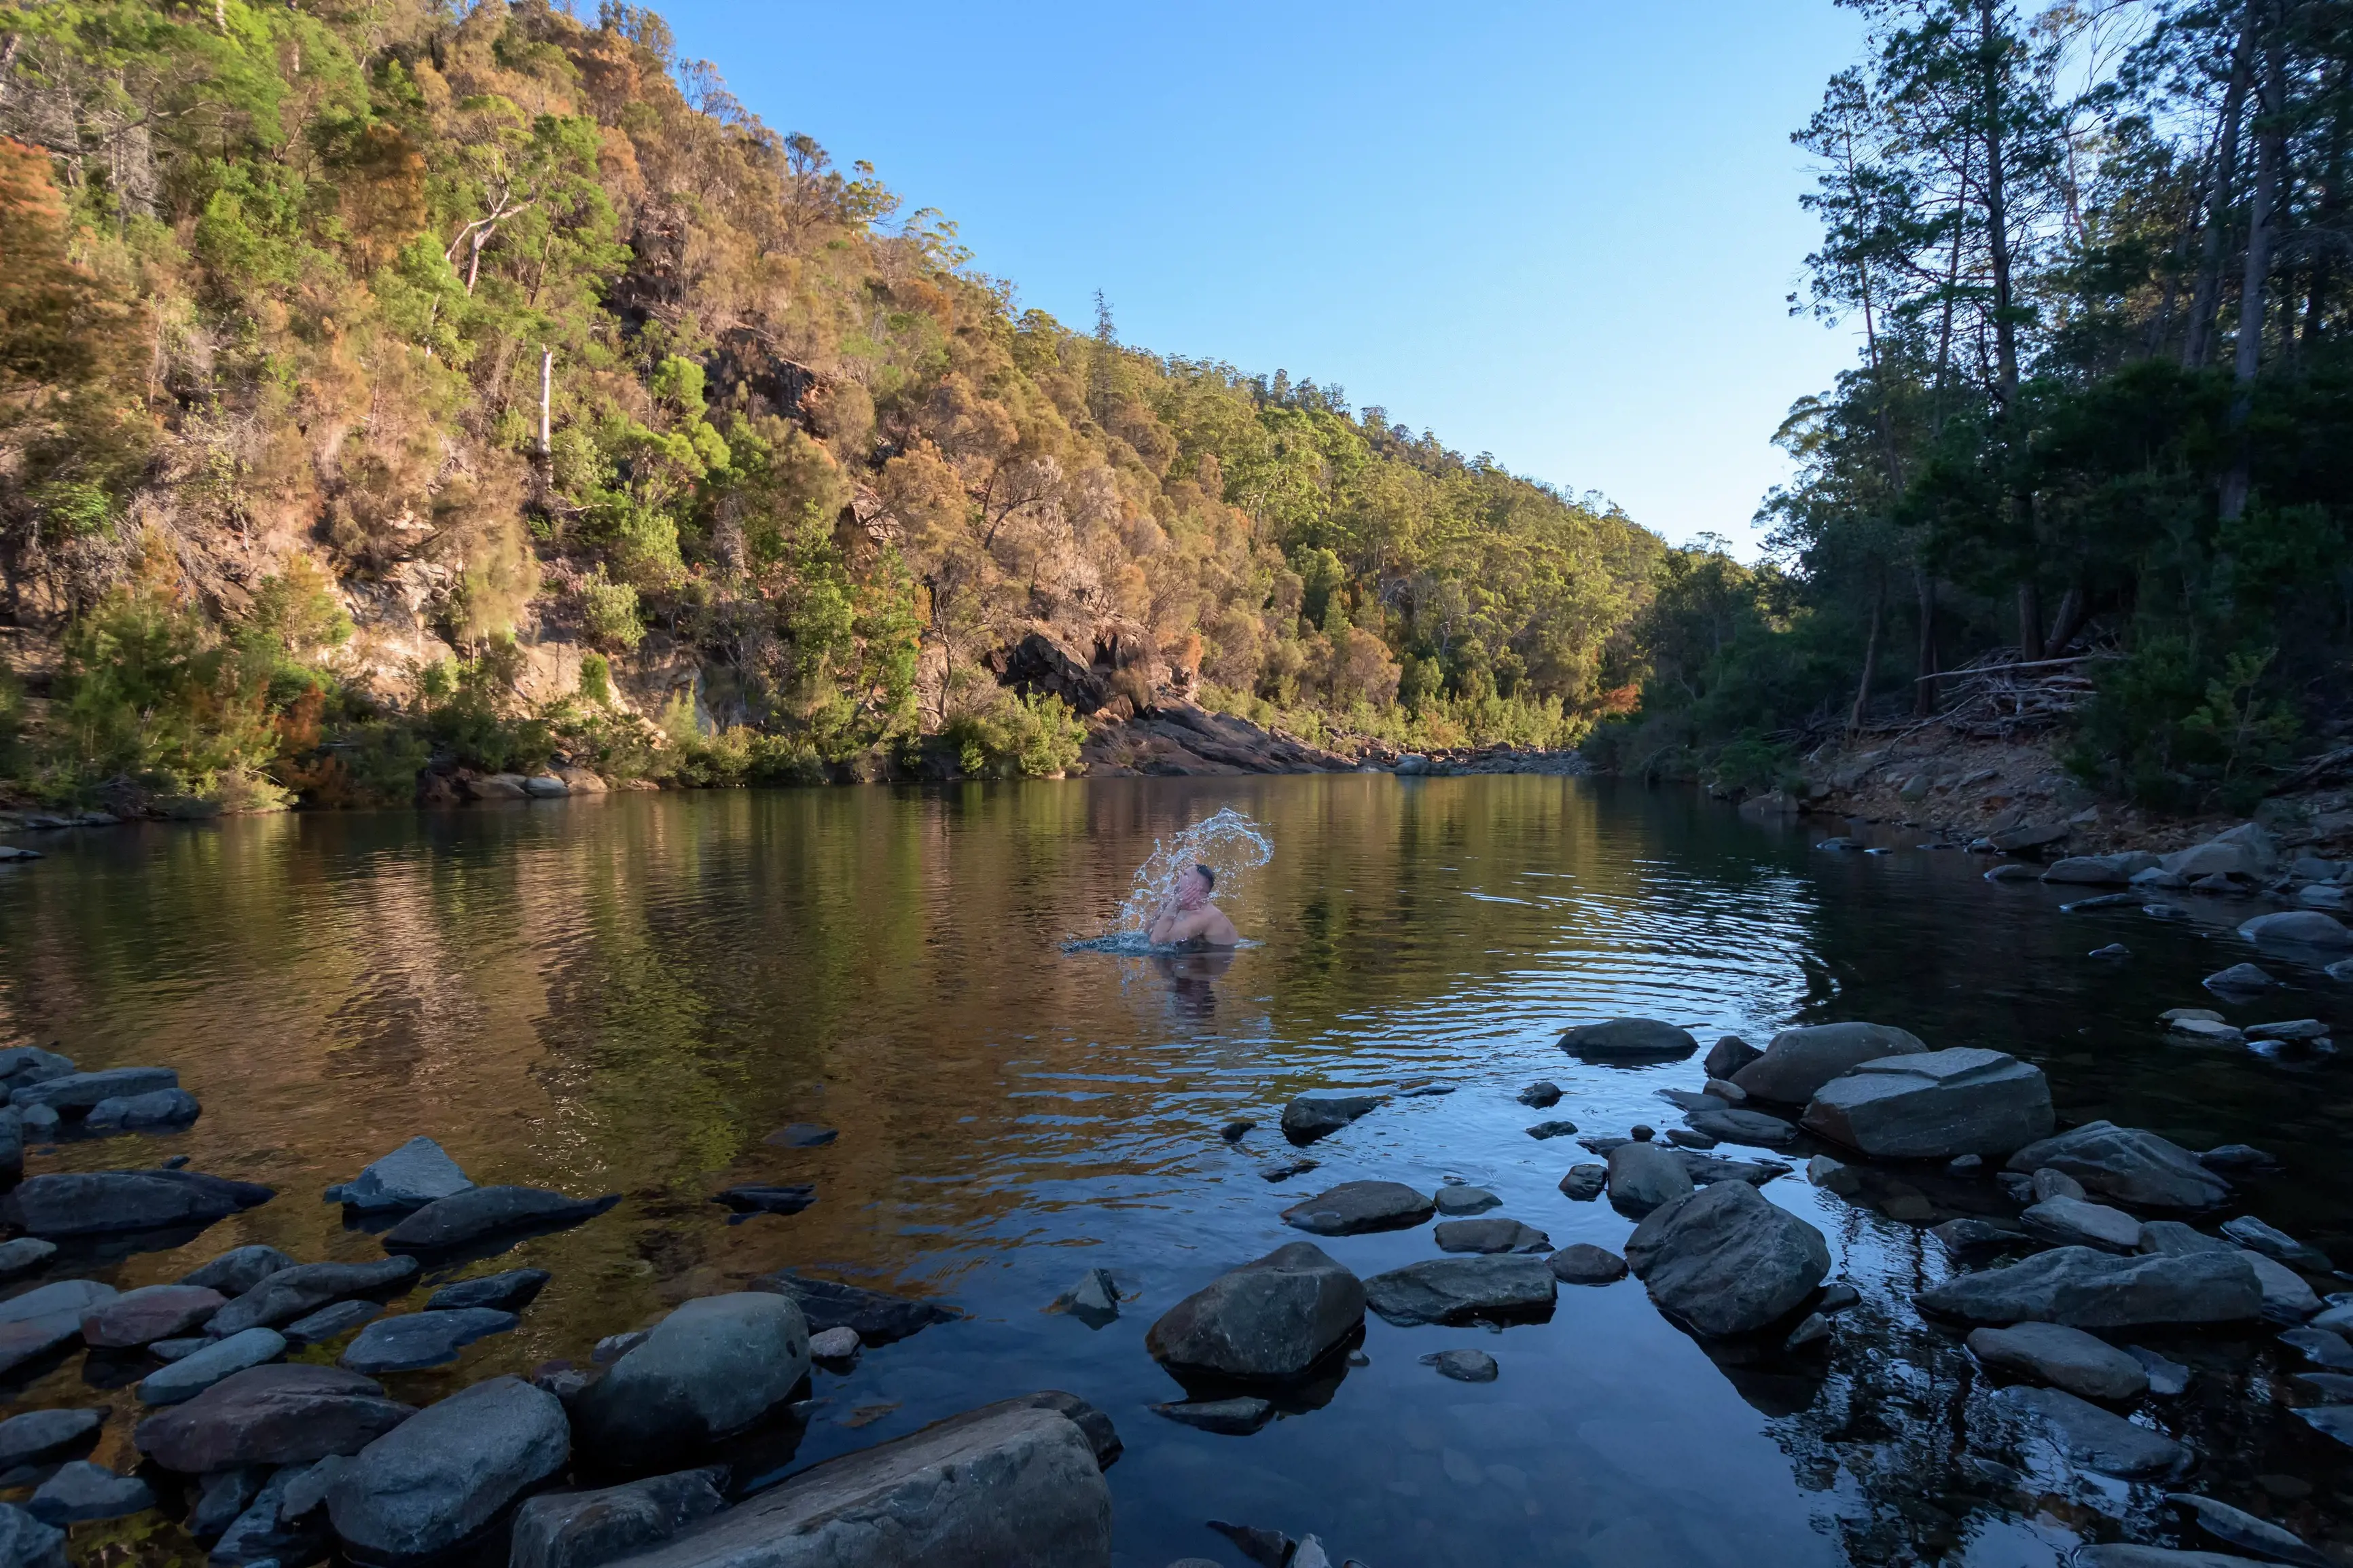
[1270, 1319]
[510, 1290]
[291, 1293]
[1582, 1263]
[1799, 1061]
[149, 1313]
[46, 1319]
[713, 1367]
[27, 1543]
[1935, 1105]
[100, 1203]
[191, 1374]
[1643, 1176]
[589, 1529]
[1015, 1484]
[417, 1339]
[2128, 1164]
[1354, 1207]
[2236, 1527]
[23, 1256]
[239, 1270]
[478, 1212]
[1735, 1126]
[2092, 1289]
[1620, 1039]
[1457, 1200]
[81, 1491]
[1457, 1290]
[38, 1437]
[270, 1416]
[2078, 1222]
[2256, 1236]
[81, 1090]
[330, 1322]
[1313, 1116]
[1726, 1261]
[2094, 1439]
[1728, 1055]
[417, 1173]
[1583, 1183]
[141, 1112]
[2300, 927]
[2062, 1357]
[433, 1482]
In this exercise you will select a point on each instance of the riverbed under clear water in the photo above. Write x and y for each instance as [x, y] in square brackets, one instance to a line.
[629, 994]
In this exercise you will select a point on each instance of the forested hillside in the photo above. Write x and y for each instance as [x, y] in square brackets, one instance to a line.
[387, 385]
[2101, 261]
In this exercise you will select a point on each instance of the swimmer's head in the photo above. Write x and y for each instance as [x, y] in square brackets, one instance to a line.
[1194, 887]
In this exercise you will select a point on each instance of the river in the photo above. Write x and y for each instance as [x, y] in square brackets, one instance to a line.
[629, 994]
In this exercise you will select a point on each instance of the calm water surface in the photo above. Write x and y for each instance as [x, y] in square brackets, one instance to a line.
[629, 993]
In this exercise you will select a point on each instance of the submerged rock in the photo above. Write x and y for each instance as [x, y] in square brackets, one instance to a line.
[288, 1415]
[1313, 1116]
[158, 1108]
[1622, 1039]
[23, 1256]
[417, 1339]
[26, 1542]
[417, 1173]
[239, 1270]
[2062, 1357]
[1933, 1105]
[2236, 1527]
[82, 1090]
[296, 1293]
[1226, 1418]
[1010, 1483]
[1726, 1261]
[509, 1291]
[1462, 1366]
[2094, 1439]
[2090, 1290]
[1490, 1234]
[1455, 1289]
[81, 1491]
[431, 1483]
[2128, 1164]
[480, 1212]
[880, 1319]
[1270, 1319]
[98, 1203]
[1355, 1207]
[1798, 1062]
[589, 1529]
[761, 1197]
[1582, 1263]
[713, 1367]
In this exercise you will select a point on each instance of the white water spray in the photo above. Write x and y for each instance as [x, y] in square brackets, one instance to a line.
[1227, 843]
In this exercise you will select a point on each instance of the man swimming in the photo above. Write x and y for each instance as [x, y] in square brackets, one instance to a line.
[1189, 919]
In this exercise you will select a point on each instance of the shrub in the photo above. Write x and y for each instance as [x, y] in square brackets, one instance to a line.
[1015, 737]
[608, 612]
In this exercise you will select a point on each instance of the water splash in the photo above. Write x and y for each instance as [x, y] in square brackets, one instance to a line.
[1227, 842]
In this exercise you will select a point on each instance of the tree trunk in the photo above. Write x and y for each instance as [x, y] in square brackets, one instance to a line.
[1924, 691]
[2070, 621]
[1870, 662]
[1997, 200]
[2029, 621]
[2254, 287]
[2207, 299]
[546, 388]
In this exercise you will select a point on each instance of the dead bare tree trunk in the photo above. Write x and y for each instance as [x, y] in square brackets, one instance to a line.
[546, 387]
[2271, 154]
[1869, 660]
[2207, 299]
[1924, 698]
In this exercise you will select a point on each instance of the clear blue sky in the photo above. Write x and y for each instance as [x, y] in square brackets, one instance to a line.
[1560, 233]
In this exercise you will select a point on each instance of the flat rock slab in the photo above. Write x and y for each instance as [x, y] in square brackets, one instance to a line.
[1012, 1484]
[431, 1483]
[2094, 1439]
[1732, 1125]
[1933, 1105]
[239, 1270]
[2322, 1347]
[2127, 1165]
[192, 1374]
[23, 1255]
[2298, 928]
[1798, 1062]
[291, 1293]
[2256, 1236]
[1726, 1261]
[468, 1216]
[2086, 1289]
[100, 1203]
[509, 1291]
[2237, 1526]
[2062, 1357]
[1273, 1317]
[81, 1090]
[1355, 1207]
[422, 1339]
[1463, 1366]
[1705, 1170]
[1625, 1040]
[80, 1491]
[1313, 1116]
[2077, 1222]
[288, 1415]
[2120, 1555]
[1226, 1418]
[587, 1529]
[714, 1366]
[417, 1173]
[1582, 1263]
[879, 1319]
[330, 1322]
[155, 1110]
[1457, 1290]
[149, 1313]
[39, 1437]
[1492, 1233]
[1457, 1200]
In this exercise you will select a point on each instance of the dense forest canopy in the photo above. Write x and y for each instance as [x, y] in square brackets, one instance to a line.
[2100, 256]
[386, 382]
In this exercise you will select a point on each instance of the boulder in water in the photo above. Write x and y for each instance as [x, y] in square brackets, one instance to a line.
[1313, 1116]
[189, 1375]
[880, 1317]
[430, 1484]
[290, 1293]
[158, 1108]
[43, 1437]
[589, 1529]
[1627, 1039]
[417, 1173]
[1353, 1209]
[2062, 1357]
[713, 1367]
[2092, 1289]
[1728, 1055]
[478, 1212]
[1270, 1319]
[1643, 1176]
[1728, 1261]
[149, 1313]
[1798, 1062]
[239, 1270]
[2298, 928]
[2076, 1221]
[1492, 1233]
[509, 1292]
[1935, 1105]
[2236, 1527]
[81, 1090]
[287, 1414]
[100, 1203]
[1459, 1290]
[2127, 1165]
[1582, 1263]
[81, 1491]
[2094, 1439]
[417, 1339]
